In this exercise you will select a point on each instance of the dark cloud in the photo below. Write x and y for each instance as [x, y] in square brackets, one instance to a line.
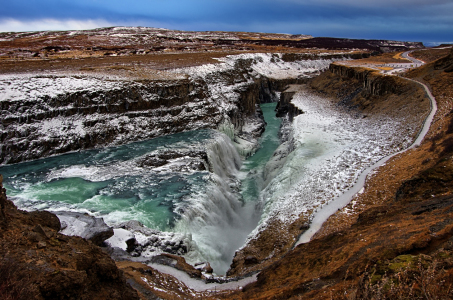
[385, 19]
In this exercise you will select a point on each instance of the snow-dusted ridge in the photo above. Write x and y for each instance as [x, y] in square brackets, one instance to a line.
[50, 114]
[342, 200]
[333, 147]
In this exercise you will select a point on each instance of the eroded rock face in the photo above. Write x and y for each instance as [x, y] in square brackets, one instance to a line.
[40, 263]
[286, 108]
[64, 118]
[279, 235]
[44, 115]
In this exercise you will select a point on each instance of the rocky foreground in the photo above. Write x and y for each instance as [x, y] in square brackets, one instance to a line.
[393, 240]
[37, 262]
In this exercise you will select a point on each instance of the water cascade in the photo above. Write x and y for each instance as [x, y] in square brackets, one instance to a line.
[214, 215]
[189, 183]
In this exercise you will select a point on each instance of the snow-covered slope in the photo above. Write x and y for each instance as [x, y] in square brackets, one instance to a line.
[44, 115]
[332, 147]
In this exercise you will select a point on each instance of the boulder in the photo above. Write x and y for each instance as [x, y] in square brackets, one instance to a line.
[131, 244]
[85, 226]
[46, 219]
[207, 268]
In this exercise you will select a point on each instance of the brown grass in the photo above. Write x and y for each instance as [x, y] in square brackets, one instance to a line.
[384, 58]
[398, 55]
[430, 282]
[430, 55]
[15, 283]
[385, 68]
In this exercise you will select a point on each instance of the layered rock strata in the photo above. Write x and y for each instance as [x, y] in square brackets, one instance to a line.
[395, 233]
[44, 115]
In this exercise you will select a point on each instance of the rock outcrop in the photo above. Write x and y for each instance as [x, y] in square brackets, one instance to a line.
[100, 115]
[85, 226]
[38, 262]
[150, 243]
[48, 115]
[285, 107]
[372, 81]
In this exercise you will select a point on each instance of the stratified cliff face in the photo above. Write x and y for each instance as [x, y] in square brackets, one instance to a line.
[44, 115]
[372, 81]
[57, 119]
[37, 262]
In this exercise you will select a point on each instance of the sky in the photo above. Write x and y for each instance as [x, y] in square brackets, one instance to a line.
[428, 21]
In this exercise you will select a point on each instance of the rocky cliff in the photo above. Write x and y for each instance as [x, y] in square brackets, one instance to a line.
[43, 125]
[373, 81]
[395, 239]
[44, 115]
[37, 262]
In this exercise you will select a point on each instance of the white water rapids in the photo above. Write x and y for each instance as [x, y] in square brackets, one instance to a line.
[216, 217]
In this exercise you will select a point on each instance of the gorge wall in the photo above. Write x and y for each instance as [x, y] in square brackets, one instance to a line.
[37, 262]
[400, 230]
[46, 125]
[44, 115]
[363, 93]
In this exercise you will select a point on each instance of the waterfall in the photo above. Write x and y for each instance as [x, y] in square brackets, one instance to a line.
[228, 128]
[215, 215]
[223, 157]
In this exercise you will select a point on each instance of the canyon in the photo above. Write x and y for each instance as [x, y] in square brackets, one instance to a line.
[80, 97]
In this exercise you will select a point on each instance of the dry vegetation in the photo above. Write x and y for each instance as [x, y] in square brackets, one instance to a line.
[385, 58]
[146, 50]
[432, 54]
[15, 283]
[406, 277]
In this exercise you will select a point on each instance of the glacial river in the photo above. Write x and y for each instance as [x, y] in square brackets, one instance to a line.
[167, 183]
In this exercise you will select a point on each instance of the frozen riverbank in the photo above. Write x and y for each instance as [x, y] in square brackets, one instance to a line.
[325, 212]
[332, 147]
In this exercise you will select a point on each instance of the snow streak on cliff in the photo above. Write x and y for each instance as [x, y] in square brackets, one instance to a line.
[331, 148]
[49, 114]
